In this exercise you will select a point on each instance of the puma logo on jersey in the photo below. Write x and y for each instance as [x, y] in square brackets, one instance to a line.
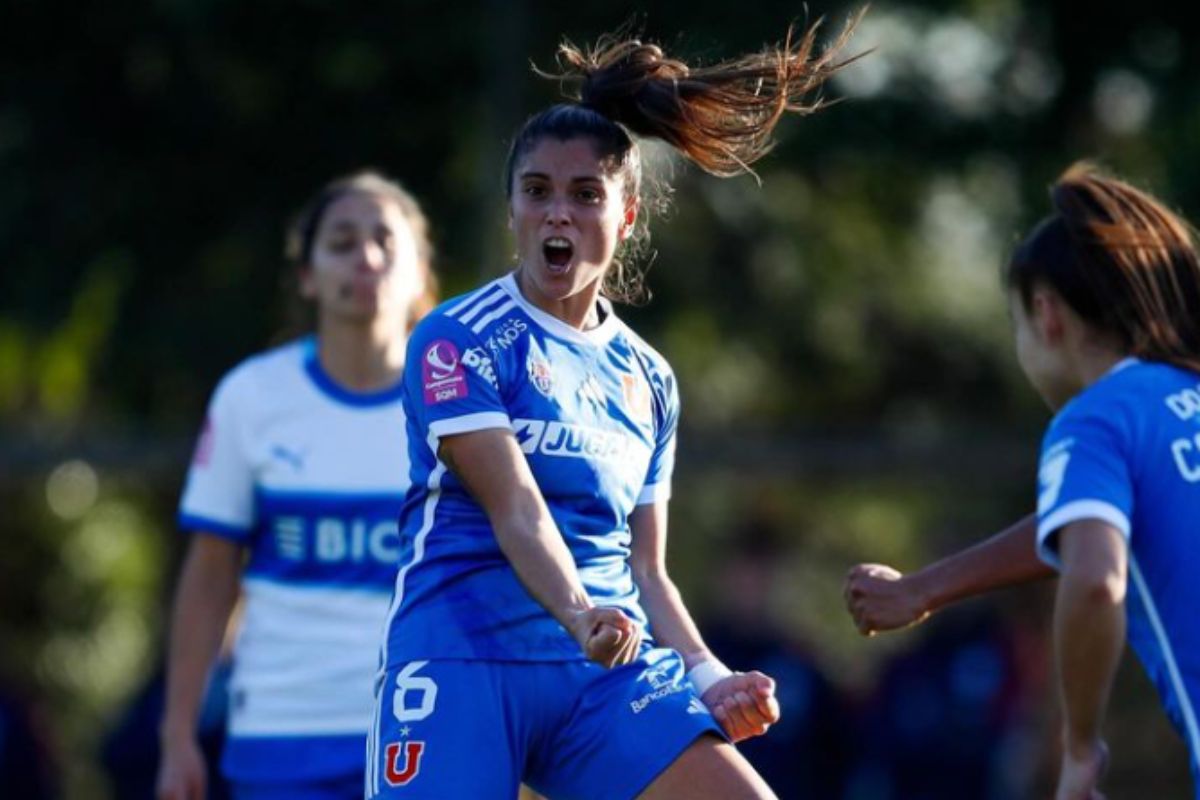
[293, 458]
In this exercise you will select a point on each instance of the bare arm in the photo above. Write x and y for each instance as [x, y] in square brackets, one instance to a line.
[494, 470]
[669, 618]
[207, 592]
[1089, 635]
[744, 703]
[880, 598]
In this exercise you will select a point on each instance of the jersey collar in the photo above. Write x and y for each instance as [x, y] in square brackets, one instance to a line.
[595, 337]
[335, 391]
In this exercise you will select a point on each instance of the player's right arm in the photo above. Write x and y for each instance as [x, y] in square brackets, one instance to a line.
[494, 470]
[204, 599]
[218, 508]
[881, 598]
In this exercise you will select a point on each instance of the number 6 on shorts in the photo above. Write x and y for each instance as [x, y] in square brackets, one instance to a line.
[407, 683]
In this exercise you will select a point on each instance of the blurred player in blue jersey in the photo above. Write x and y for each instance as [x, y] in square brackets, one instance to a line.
[535, 633]
[293, 493]
[1105, 302]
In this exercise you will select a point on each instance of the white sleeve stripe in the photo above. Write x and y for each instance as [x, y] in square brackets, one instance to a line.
[480, 294]
[489, 301]
[652, 493]
[500, 310]
[1085, 509]
[469, 423]
[1074, 512]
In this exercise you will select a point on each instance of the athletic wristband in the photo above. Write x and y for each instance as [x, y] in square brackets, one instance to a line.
[706, 673]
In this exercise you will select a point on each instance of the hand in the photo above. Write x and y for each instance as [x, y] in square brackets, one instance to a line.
[881, 599]
[1082, 768]
[181, 773]
[607, 636]
[744, 703]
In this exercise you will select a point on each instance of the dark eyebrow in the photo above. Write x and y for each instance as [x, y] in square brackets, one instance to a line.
[576, 179]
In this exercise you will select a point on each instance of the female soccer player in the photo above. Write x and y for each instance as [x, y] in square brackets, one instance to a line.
[1105, 301]
[542, 437]
[294, 490]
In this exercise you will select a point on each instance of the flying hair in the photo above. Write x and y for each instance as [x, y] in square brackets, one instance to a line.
[721, 117]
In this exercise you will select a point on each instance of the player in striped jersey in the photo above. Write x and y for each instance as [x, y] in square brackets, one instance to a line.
[1105, 301]
[535, 633]
[294, 491]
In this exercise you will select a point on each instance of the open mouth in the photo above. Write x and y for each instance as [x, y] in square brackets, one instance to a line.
[557, 252]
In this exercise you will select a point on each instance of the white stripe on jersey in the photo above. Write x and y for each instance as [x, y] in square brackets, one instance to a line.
[467, 423]
[482, 297]
[371, 787]
[1075, 511]
[468, 315]
[1160, 633]
[435, 493]
[504, 308]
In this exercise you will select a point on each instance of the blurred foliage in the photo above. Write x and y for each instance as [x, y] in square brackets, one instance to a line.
[829, 327]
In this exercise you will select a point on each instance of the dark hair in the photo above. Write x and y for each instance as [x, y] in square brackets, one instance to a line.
[301, 235]
[720, 117]
[1123, 261]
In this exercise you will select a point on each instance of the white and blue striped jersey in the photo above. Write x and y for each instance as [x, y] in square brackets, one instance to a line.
[594, 412]
[309, 478]
[1126, 451]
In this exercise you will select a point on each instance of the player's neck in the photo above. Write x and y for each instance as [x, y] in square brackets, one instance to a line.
[581, 311]
[361, 358]
[1093, 359]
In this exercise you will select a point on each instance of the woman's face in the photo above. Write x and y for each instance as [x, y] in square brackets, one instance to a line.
[364, 265]
[1038, 333]
[569, 213]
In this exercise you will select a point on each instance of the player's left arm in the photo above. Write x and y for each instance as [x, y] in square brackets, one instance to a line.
[743, 702]
[1089, 635]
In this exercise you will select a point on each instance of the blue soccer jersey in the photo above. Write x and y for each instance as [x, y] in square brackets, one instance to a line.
[310, 478]
[1126, 451]
[594, 412]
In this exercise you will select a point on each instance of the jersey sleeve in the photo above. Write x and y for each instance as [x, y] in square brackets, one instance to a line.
[665, 395]
[1084, 474]
[218, 496]
[451, 381]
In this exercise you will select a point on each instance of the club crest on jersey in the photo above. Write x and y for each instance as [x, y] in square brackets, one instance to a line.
[539, 374]
[442, 373]
[402, 762]
[637, 397]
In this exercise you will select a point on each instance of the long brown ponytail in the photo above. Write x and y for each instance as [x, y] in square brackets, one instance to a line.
[1122, 260]
[721, 117]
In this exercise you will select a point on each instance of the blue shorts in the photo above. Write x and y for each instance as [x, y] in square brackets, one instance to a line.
[571, 730]
[350, 788]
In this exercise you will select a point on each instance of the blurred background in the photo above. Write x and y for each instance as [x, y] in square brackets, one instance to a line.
[839, 334]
